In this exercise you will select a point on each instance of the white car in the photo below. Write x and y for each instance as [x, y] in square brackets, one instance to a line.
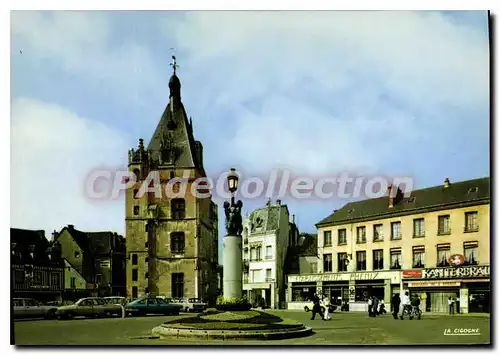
[193, 305]
[29, 308]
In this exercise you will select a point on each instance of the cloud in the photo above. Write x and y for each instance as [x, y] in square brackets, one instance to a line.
[85, 44]
[53, 150]
[330, 89]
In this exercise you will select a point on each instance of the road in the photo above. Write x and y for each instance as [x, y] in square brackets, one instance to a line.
[344, 328]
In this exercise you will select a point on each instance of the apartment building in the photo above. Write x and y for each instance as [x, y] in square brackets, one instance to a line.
[267, 233]
[434, 243]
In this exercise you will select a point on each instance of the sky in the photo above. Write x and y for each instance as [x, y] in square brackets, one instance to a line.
[394, 93]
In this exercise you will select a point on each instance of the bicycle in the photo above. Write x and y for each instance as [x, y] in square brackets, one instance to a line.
[415, 311]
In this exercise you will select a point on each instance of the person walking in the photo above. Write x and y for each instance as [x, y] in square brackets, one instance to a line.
[451, 304]
[405, 305]
[381, 308]
[375, 306]
[395, 302]
[316, 308]
[370, 306]
[326, 304]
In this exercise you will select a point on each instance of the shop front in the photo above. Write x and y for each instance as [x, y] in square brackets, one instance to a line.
[467, 286]
[352, 288]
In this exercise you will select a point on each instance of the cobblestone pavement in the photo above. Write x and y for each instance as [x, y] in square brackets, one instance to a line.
[344, 328]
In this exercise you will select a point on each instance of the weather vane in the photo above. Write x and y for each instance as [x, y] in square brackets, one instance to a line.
[174, 64]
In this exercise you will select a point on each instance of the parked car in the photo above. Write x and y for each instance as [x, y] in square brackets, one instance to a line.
[116, 300]
[193, 305]
[87, 307]
[30, 308]
[309, 307]
[59, 303]
[155, 305]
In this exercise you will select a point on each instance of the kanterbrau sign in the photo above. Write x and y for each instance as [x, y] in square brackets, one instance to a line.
[449, 273]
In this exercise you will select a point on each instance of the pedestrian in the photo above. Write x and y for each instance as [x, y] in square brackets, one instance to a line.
[395, 302]
[316, 308]
[375, 306]
[326, 304]
[405, 305]
[381, 307]
[451, 304]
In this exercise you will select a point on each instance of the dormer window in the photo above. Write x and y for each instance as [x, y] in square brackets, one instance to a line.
[473, 190]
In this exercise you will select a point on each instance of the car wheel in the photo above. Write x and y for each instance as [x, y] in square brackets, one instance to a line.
[306, 309]
[51, 314]
[70, 315]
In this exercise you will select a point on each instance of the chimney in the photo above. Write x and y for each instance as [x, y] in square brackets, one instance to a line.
[278, 202]
[394, 198]
[55, 234]
[391, 197]
[71, 226]
[293, 218]
[446, 183]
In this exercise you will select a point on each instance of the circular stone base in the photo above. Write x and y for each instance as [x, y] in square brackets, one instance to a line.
[233, 325]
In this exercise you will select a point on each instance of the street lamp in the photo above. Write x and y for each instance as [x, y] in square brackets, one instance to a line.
[232, 183]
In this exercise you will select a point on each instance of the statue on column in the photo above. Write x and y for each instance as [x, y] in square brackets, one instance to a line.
[234, 222]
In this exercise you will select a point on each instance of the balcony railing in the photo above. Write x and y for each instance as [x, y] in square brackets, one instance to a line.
[444, 232]
[269, 256]
[269, 279]
[418, 266]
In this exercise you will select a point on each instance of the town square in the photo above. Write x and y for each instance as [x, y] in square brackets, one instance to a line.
[190, 192]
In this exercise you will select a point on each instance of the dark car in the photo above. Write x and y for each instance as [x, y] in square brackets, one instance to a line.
[156, 305]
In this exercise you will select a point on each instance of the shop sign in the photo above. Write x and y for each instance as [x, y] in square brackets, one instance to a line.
[338, 277]
[459, 272]
[433, 284]
[456, 259]
[412, 273]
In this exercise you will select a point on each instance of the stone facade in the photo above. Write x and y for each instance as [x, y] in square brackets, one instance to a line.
[171, 235]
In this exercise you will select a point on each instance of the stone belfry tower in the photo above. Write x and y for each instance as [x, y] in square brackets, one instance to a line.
[172, 241]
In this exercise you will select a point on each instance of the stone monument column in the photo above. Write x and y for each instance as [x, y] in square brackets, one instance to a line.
[232, 245]
[233, 267]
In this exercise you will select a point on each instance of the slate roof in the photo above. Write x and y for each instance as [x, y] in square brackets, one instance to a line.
[463, 193]
[175, 122]
[267, 218]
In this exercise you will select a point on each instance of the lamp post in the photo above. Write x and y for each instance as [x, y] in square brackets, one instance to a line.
[232, 260]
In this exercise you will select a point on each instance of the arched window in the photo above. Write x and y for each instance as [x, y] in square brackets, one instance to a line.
[178, 206]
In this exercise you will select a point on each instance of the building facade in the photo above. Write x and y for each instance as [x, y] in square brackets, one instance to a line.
[434, 243]
[171, 234]
[267, 233]
[37, 269]
[98, 257]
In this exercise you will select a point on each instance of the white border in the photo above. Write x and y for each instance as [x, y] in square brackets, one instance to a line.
[192, 5]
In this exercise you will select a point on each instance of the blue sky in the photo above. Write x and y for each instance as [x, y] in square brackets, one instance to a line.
[381, 92]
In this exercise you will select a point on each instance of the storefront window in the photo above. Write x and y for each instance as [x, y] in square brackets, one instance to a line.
[303, 293]
[364, 291]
